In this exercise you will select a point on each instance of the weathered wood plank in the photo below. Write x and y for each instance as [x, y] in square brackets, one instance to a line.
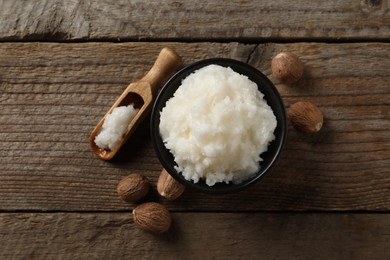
[52, 95]
[238, 19]
[232, 236]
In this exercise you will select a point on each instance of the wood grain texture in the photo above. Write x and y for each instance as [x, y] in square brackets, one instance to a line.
[52, 95]
[232, 236]
[196, 20]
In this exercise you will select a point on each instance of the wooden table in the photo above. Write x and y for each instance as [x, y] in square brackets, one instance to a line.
[63, 64]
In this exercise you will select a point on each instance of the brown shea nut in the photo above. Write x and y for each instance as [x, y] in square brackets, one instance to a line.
[168, 187]
[287, 67]
[306, 117]
[152, 217]
[133, 187]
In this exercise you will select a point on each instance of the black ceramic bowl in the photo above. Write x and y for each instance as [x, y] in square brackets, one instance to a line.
[273, 99]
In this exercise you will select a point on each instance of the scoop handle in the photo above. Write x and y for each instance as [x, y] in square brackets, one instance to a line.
[167, 63]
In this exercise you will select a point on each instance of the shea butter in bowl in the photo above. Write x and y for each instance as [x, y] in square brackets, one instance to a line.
[218, 125]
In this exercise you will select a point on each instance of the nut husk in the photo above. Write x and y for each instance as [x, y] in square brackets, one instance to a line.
[152, 217]
[133, 187]
[168, 187]
[287, 67]
[306, 117]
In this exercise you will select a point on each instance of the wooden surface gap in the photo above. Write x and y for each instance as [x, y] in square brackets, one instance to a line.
[242, 40]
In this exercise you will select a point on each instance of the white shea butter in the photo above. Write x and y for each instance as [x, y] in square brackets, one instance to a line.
[115, 126]
[217, 125]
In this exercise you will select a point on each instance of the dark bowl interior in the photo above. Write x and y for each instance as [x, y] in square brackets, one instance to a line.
[272, 97]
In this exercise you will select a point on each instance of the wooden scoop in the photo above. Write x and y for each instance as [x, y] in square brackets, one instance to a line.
[142, 94]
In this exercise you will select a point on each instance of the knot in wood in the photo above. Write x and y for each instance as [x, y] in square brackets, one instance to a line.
[373, 3]
[371, 6]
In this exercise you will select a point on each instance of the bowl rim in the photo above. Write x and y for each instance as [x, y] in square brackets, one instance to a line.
[160, 148]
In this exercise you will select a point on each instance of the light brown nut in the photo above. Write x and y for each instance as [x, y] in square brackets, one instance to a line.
[287, 67]
[306, 117]
[133, 187]
[168, 187]
[152, 217]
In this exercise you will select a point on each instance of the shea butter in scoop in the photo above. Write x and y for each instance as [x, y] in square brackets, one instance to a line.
[216, 125]
[115, 126]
